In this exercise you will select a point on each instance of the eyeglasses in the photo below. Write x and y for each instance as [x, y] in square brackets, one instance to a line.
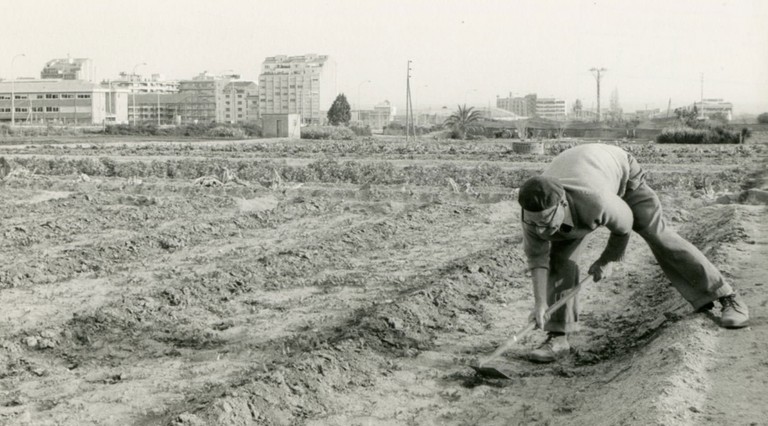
[542, 219]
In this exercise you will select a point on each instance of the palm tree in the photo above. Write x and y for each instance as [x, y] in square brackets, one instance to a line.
[463, 121]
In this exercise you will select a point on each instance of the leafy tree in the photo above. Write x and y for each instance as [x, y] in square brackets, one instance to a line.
[463, 121]
[340, 112]
[689, 116]
[763, 118]
[720, 117]
[577, 108]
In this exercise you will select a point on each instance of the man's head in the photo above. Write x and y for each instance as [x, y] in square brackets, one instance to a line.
[543, 200]
[540, 193]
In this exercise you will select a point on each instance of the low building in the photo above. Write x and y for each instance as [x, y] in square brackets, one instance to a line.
[61, 102]
[281, 126]
[381, 115]
[712, 108]
[137, 83]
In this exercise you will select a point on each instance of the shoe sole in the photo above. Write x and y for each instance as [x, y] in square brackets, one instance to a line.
[735, 325]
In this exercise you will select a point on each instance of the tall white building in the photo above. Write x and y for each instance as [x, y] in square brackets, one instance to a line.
[304, 85]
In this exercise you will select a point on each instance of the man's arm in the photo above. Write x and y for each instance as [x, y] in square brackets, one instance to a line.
[539, 277]
[618, 218]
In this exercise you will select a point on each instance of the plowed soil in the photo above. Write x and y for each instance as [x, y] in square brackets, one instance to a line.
[292, 282]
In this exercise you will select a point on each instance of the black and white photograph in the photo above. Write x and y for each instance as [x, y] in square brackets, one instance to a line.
[366, 213]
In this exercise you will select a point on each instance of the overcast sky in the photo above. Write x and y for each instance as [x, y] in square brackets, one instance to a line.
[653, 50]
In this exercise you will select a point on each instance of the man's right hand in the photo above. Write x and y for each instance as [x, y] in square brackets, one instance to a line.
[539, 313]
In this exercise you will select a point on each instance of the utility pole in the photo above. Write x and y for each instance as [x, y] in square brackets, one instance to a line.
[597, 72]
[408, 106]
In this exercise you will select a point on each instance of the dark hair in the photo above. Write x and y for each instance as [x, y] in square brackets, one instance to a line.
[540, 193]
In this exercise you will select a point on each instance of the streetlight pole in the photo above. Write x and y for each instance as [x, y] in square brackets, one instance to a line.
[133, 90]
[13, 90]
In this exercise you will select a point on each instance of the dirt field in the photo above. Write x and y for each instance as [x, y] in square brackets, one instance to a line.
[304, 282]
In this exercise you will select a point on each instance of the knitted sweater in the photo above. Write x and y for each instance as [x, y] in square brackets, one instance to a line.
[595, 177]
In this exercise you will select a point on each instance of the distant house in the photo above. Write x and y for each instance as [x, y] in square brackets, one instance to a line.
[709, 108]
[281, 126]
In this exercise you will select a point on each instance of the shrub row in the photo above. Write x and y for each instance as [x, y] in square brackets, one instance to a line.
[327, 132]
[239, 130]
[715, 135]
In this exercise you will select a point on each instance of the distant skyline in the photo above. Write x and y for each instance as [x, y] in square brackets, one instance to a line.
[653, 50]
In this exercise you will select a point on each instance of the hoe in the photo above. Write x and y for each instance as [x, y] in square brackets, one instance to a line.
[480, 365]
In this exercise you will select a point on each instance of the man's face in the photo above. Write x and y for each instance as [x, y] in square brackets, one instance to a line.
[546, 222]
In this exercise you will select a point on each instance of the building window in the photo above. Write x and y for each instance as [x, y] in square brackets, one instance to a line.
[39, 96]
[84, 96]
[37, 109]
[21, 109]
[51, 96]
[51, 109]
[2, 97]
[20, 96]
[5, 110]
[67, 96]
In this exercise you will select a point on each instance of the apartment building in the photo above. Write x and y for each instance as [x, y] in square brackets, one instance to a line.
[241, 104]
[155, 108]
[202, 99]
[551, 108]
[68, 69]
[61, 102]
[524, 106]
[304, 85]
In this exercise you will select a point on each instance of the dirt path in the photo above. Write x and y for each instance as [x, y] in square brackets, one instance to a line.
[735, 376]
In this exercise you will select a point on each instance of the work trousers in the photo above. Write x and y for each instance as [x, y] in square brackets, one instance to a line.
[686, 267]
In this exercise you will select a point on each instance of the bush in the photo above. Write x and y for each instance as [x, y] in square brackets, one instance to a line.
[327, 132]
[687, 135]
[361, 129]
[763, 118]
[226, 132]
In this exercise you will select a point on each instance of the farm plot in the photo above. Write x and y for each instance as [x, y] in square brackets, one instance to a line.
[277, 282]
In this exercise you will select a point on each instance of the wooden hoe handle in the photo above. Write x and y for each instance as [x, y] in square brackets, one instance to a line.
[532, 324]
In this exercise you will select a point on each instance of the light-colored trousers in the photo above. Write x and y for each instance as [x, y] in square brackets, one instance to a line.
[686, 267]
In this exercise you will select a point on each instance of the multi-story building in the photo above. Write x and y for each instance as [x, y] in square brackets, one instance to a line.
[524, 106]
[61, 102]
[551, 108]
[241, 103]
[202, 99]
[68, 69]
[205, 99]
[304, 85]
[709, 108]
[155, 108]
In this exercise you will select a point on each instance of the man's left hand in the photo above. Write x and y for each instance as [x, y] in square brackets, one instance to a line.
[600, 270]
